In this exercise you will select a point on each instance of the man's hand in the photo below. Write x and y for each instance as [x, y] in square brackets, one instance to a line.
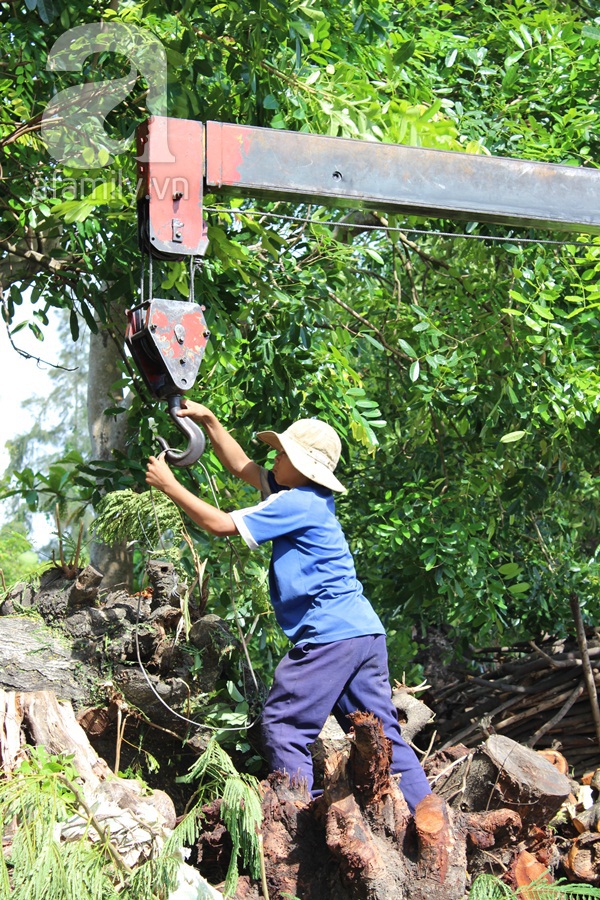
[208, 517]
[159, 475]
[224, 444]
[195, 411]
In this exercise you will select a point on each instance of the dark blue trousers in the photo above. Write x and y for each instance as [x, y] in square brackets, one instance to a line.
[314, 680]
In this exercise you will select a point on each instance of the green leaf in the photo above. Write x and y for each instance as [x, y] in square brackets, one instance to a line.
[46, 10]
[403, 53]
[543, 312]
[414, 370]
[512, 437]
[406, 348]
[521, 588]
[517, 39]
[88, 315]
[511, 76]
[369, 337]
[374, 255]
[510, 570]
[74, 325]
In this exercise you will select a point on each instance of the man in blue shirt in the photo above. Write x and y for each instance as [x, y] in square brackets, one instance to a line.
[339, 660]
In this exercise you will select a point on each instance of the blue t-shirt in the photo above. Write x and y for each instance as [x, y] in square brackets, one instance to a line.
[315, 593]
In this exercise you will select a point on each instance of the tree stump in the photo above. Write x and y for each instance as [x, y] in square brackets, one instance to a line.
[358, 841]
[381, 850]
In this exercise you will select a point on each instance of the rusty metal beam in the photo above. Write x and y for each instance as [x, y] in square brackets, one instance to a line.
[273, 164]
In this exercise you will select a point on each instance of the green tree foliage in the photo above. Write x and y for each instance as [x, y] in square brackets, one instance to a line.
[456, 360]
[488, 887]
[17, 557]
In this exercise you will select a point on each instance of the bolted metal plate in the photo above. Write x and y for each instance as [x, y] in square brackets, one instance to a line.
[167, 340]
[170, 173]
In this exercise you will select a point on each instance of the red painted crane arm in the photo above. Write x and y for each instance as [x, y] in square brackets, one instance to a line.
[180, 156]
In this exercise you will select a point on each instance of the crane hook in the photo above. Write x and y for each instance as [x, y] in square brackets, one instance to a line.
[194, 434]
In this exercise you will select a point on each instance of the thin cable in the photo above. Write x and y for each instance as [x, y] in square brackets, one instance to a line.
[142, 276]
[192, 273]
[164, 702]
[232, 552]
[389, 228]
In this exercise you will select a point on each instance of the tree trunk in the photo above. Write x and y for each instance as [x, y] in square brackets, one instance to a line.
[108, 433]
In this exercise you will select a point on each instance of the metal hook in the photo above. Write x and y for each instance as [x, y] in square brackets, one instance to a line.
[194, 434]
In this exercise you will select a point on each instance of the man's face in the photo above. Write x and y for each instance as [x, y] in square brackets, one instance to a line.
[286, 474]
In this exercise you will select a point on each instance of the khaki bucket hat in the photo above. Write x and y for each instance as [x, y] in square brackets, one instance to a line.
[312, 447]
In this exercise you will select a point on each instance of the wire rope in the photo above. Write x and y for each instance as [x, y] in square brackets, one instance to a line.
[307, 220]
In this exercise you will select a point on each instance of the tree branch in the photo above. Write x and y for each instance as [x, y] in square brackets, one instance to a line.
[48, 263]
[393, 350]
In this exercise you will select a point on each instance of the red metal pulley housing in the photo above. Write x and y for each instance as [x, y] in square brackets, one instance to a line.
[167, 340]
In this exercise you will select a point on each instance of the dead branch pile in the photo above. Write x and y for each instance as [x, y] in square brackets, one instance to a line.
[536, 694]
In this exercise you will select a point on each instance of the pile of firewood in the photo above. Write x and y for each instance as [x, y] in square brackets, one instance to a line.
[535, 694]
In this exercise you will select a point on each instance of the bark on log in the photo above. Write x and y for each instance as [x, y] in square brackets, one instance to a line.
[33, 658]
[109, 634]
[503, 774]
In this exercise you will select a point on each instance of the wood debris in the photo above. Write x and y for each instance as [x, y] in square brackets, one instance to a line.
[535, 694]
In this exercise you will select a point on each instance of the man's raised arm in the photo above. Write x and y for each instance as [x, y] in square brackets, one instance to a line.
[225, 446]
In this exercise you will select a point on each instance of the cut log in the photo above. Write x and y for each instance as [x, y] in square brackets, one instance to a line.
[582, 862]
[588, 819]
[54, 726]
[413, 714]
[297, 863]
[527, 869]
[503, 774]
